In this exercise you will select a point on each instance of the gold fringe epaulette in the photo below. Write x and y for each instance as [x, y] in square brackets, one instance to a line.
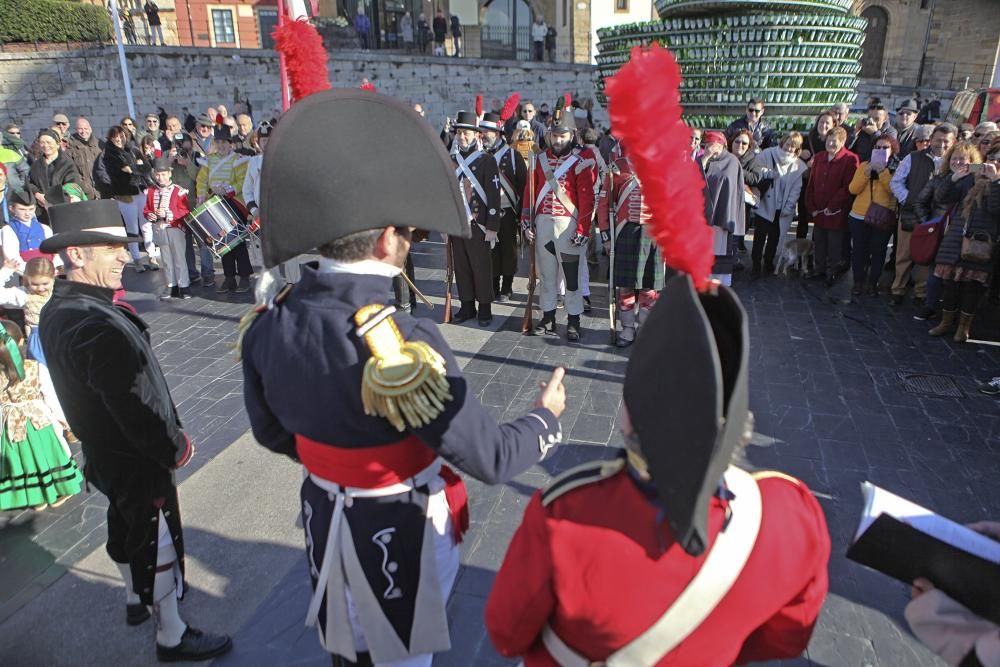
[251, 315]
[403, 381]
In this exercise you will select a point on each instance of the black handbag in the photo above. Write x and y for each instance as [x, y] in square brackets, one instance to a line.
[878, 216]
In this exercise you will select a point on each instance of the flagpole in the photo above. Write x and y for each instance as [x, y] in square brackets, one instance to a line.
[121, 58]
[282, 68]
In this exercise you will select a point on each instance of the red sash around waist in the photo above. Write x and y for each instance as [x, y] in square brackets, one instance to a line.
[383, 465]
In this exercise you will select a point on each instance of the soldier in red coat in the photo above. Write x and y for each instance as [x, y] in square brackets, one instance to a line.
[638, 265]
[668, 554]
[557, 211]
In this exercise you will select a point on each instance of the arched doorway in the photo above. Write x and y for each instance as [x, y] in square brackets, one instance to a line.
[878, 28]
[506, 29]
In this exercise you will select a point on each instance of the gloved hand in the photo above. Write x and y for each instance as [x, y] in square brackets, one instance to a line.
[528, 232]
[151, 217]
[491, 236]
[578, 240]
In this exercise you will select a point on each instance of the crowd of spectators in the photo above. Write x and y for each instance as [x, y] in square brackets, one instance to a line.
[903, 208]
[143, 168]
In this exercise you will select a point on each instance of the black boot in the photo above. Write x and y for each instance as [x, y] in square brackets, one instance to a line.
[466, 312]
[485, 315]
[195, 645]
[573, 328]
[547, 325]
[506, 289]
[136, 614]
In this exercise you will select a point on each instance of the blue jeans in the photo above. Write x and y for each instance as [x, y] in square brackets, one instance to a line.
[207, 266]
[935, 286]
[868, 246]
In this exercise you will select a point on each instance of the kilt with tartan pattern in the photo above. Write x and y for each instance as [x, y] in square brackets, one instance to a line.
[638, 264]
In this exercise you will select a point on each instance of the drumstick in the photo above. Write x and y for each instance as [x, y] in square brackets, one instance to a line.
[415, 290]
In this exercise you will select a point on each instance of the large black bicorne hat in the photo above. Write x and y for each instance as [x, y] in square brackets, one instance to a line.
[92, 222]
[687, 396]
[344, 161]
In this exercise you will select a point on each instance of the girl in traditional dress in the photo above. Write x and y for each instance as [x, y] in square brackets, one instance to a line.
[36, 469]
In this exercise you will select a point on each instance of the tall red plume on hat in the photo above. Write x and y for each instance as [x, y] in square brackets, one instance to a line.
[648, 86]
[305, 57]
[567, 101]
[479, 105]
[509, 106]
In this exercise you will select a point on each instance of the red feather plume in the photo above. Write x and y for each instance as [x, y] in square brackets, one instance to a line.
[509, 106]
[648, 87]
[479, 105]
[367, 85]
[567, 101]
[305, 57]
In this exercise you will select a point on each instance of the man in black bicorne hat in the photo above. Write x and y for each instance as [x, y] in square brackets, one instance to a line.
[513, 174]
[479, 184]
[118, 404]
[371, 400]
[689, 560]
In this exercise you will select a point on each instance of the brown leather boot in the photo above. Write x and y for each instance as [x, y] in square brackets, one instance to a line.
[964, 324]
[946, 325]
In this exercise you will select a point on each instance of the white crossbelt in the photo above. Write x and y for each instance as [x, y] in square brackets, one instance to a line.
[553, 178]
[722, 567]
[343, 496]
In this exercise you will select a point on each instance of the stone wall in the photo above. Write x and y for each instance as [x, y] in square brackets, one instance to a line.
[962, 42]
[34, 86]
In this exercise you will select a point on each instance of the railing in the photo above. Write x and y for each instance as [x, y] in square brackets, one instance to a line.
[505, 42]
[935, 73]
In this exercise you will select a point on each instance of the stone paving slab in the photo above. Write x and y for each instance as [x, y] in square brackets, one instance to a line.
[830, 408]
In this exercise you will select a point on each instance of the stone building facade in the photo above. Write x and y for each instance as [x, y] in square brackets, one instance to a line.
[931, 44]
[34, 86]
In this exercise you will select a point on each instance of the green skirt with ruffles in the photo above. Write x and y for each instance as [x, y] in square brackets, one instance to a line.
[36, 471]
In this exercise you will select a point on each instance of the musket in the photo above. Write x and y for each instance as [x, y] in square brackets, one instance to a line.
[527, 324]
[449, 279]
[612, 297]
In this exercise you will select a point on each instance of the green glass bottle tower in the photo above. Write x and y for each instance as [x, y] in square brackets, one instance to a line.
[799, 56]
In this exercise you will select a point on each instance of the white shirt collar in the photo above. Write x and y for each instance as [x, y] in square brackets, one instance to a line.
[366, 267]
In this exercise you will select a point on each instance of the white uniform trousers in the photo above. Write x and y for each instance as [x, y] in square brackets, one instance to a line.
[172, 244]
[554, 233]
[446, 554]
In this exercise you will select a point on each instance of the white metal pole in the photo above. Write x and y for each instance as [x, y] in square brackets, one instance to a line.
[121, 57]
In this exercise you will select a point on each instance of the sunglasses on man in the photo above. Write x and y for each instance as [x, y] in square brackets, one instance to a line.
[755, 110]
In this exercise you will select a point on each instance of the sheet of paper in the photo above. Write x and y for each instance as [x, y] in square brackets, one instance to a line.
[878, 501]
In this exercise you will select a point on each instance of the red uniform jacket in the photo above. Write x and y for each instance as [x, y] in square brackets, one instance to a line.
[593, 565]
[828, 188]
[577, 181]
[177, 208]
[627, 209]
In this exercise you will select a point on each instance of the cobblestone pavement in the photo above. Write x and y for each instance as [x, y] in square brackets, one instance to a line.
[827, 389]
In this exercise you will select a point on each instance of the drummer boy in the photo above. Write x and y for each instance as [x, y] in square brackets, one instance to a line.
[166, 207]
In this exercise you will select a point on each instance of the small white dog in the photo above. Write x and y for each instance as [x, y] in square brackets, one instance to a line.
[794, 253]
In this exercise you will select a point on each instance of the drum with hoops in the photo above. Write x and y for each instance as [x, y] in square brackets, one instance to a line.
[218, 225]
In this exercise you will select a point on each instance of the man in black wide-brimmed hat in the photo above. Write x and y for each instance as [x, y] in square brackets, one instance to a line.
[479, 183]
[118, 404]
[689, 560]
[371, 400]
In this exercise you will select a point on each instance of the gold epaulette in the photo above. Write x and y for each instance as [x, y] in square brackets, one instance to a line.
[251, 316]
[581, 475]
[403, 381]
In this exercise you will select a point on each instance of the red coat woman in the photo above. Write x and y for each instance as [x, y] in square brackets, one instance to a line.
[828, 201]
